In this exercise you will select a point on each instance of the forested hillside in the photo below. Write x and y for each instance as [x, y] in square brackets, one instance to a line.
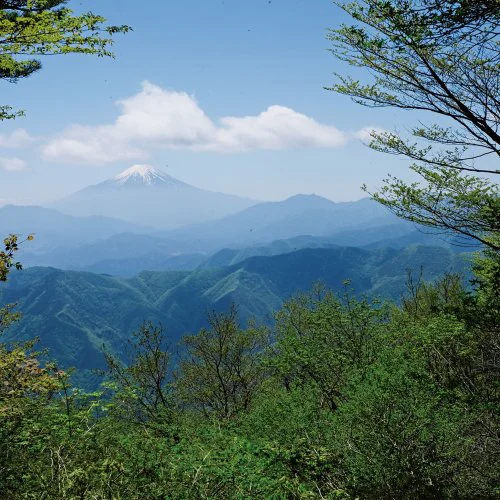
[76, 313]
[339, 394]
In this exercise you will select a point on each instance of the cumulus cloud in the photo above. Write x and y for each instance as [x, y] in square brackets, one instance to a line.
[12, 164]
[276, 128]
[16, 139]
[156, 117]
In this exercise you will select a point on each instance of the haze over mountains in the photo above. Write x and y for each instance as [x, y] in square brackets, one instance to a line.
[54, 229]
[116, 246]
[298, 215]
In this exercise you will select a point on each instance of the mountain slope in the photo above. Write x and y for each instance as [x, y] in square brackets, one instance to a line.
[144, 195]
[231, 256]
[299, 215]
[307, 220]
[53, 229]
[127, 254]
[136, 248]
[74, 313]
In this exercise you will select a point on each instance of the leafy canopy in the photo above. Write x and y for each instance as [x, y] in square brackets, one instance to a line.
[436, 58]
[32, 28]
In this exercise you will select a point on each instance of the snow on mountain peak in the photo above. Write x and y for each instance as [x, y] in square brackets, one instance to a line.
[143, 174]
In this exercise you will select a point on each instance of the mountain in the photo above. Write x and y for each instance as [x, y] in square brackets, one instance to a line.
[298, 215]
[127, 250]
[393, 236]
[74, 313]
[131, 266]
[146, 196]
[127, 254]
[54, 229]
[426, 236]
[133, 248]
[113, 246]
[230, 256]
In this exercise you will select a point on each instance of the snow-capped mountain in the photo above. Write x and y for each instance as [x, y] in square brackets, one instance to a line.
[144, 195]
[146, 175]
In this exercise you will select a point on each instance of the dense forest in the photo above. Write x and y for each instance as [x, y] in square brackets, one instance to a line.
[342, 394]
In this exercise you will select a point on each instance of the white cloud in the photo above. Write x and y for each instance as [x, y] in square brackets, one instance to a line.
[171, 118]
[276, 128]
[16, 139]
[12, 164]
[365, 134]
[156, 117]
[80, 144]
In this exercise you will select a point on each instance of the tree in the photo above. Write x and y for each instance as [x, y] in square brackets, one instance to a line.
[421, 421]
[46, 27]
[141, 387]
[222, 372]
[322, 338]
[441, 58]
[26, 387]
[7, 263]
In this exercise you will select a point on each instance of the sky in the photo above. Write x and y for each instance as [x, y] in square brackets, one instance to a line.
[227, 95]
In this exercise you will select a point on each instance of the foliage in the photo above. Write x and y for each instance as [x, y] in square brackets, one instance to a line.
[25, 391]
[419, 421]
[342, 330]
[141, 389]
[7, 262]
[449, 201]
[352, 399]
[222, 372]
[32, 28]
[438, 58]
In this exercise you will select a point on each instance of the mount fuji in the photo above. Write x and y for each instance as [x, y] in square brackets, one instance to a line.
[144, 195]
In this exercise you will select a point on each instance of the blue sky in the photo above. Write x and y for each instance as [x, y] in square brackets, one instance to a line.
[226, 95]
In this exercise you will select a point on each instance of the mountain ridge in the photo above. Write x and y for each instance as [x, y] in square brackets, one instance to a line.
[74, 313]
[53, 228]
